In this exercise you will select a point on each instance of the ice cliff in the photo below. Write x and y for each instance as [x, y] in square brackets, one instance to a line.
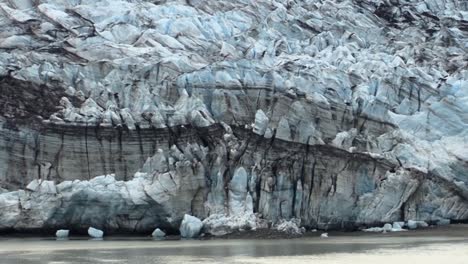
[243, 113]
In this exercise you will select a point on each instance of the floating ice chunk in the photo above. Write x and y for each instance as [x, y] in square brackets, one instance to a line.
[416, 224]
[398, 224]
[62, 233]
[396, 227]
[158, 233]
[387, 227]
[95, 233]
[412, 224]
[190, 227]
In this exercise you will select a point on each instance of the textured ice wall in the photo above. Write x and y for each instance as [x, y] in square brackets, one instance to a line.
[340, 113]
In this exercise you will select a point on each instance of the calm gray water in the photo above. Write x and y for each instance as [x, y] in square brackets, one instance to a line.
[348, 249]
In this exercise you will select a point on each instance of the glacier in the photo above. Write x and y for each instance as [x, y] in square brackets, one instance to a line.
[126, 115]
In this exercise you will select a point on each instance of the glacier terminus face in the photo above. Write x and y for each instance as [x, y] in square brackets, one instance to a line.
[131, 115]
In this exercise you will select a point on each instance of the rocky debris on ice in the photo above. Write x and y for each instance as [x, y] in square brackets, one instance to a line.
[291, 226]
[95, 233]
[62, 233]
[158, 233]
[222, 224]
[190, 227]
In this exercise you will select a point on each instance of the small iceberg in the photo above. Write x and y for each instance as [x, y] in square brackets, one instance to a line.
[191, 227]
[62, 234]
[158, 233]
[412, 224]
[95, 233]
